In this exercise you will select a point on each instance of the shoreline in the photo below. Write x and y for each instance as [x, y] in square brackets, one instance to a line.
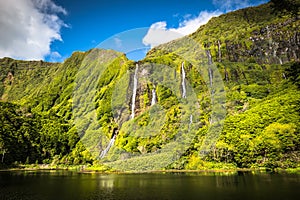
[87, 170]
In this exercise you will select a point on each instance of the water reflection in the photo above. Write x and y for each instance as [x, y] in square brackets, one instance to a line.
[48, 185]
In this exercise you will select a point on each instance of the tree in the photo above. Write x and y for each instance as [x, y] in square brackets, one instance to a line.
[286, 133]
[3, 151]
[293, 73]
[290, 6]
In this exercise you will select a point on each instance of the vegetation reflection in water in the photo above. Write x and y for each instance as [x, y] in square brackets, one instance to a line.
[66, 185]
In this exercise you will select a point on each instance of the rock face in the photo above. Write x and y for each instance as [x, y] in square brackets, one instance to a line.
[252, 35]
[269, 44]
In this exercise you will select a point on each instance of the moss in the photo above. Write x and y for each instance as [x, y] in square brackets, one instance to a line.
[261, 129]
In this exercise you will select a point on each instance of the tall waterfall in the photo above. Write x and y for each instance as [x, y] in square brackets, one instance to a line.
[110, 144]
[135, 82]
[208, 54]
[183, 81]
[210, 72]
[153, 101]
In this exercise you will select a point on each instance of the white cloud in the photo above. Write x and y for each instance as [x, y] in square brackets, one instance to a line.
[28, 27]
[54, 56]
[158, 32]
[46, 6]
[189, 26]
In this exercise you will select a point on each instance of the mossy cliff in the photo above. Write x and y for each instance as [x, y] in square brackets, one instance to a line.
[253, 53]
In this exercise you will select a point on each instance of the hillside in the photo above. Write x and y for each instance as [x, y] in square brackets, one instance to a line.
[225, 96]
[254, 34]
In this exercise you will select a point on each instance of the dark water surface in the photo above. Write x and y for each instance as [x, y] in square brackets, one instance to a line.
[55, 185]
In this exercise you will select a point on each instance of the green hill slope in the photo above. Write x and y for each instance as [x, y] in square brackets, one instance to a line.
[244, 64]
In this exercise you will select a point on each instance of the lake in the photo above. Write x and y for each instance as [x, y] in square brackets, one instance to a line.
[65, 185]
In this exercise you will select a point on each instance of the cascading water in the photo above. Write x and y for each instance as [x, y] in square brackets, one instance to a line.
[112, 140]
[275, 52]
[135, 82]
[210, 73]
[208, 54]
[153, 101]
[191, 121]
[283, 75]
[183, 81]
[110, 144]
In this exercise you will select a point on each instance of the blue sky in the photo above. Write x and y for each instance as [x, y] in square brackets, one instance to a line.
[52, 29]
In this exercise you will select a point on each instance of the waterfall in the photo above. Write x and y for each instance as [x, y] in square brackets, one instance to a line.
[191, 121]
[283, 75]
[219, 51]
[208, 54]
[183, 81]
[153, 101]
[135, 82]
[276, 45]
[110, 144]
[210, 73]
[275, 56]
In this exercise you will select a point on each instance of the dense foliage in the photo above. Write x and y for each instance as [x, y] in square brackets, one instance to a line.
[256, 53]
[27, 137]
[292, 6]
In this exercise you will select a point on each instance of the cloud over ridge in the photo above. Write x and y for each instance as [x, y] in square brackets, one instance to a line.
[158, 32]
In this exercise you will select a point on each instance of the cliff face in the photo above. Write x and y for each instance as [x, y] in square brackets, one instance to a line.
[274, 43]
[255, 34]
[242, 63]
[16, 76]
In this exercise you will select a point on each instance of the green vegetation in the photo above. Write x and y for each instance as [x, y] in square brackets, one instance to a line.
[248, 47]
[27, 137]
[289, 6]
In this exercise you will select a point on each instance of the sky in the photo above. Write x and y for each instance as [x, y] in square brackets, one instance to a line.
[52, 29]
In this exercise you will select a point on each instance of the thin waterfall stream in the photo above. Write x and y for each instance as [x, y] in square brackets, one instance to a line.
[210, 71]
[114, 135]
[135, 82]
[208, 54]
[153, 101]
[110, 144]
[191, 121]
[183, 81]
